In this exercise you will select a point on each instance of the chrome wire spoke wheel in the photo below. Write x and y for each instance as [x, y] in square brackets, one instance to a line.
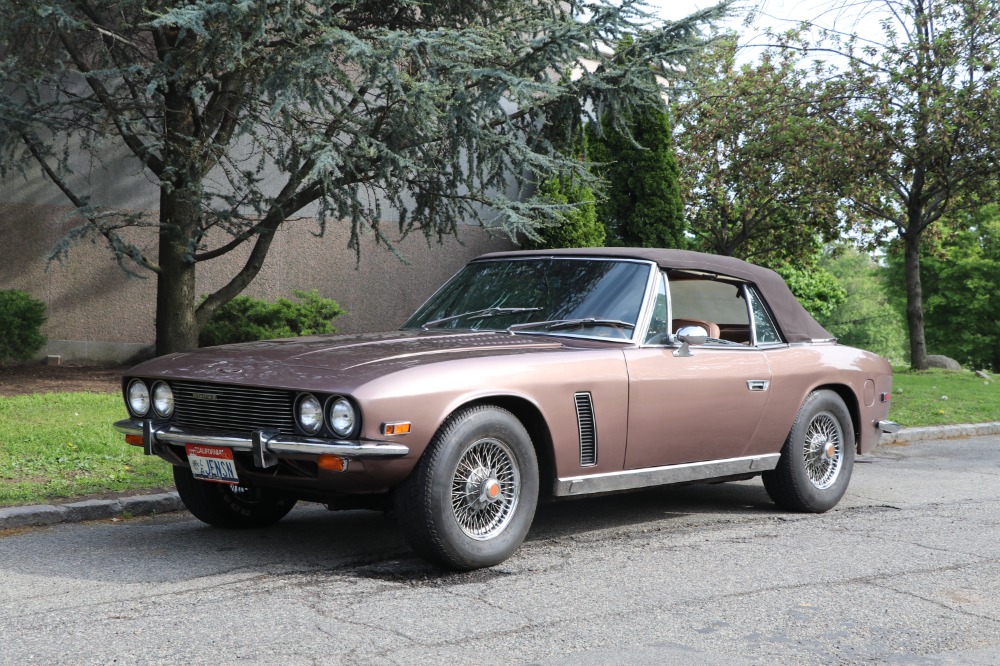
[823, 451]
[485, 489]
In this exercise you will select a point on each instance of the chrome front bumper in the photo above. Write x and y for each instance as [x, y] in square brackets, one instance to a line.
[264, 444]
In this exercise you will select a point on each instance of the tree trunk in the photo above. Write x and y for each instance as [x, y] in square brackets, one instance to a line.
[176, 329]
[915, 303]
[176, 326]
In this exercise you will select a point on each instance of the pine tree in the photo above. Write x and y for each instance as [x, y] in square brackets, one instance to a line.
[643, 206]
[388, 116]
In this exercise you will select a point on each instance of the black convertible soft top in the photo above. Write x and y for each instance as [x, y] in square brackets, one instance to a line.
[796, 324]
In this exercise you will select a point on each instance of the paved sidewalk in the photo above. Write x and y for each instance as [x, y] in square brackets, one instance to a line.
[143, 505]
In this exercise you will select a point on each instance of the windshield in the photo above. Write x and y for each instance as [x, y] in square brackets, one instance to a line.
[594, 298]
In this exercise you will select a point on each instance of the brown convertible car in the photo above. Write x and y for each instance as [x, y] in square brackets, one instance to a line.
[528, 375]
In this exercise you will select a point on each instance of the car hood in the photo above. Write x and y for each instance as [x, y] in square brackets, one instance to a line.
[325, 362]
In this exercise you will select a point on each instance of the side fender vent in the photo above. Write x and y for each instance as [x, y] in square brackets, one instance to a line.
[588, 429]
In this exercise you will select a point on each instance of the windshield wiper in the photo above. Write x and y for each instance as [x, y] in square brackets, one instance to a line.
[555, 324]
[478, 314]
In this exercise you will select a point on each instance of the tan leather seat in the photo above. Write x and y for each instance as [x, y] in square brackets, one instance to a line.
[711, 327]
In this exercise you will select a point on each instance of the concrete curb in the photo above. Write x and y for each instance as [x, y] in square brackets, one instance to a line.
[907, 435]
[49, 514]
[144, 505]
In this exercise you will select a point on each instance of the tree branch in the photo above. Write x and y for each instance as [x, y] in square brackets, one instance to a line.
[134, 143]
[82, 207]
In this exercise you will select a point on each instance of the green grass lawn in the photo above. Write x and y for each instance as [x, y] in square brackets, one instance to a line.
[61, 445]
[940, 397]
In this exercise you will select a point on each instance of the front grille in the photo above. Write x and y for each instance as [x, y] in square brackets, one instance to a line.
[232, 408]
[588, 429]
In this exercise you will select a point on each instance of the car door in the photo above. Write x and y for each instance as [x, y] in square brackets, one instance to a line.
[700, 403]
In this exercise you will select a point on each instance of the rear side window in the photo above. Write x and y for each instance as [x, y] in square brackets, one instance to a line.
[767, 332]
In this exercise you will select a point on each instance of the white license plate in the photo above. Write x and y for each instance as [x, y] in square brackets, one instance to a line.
[212, 463]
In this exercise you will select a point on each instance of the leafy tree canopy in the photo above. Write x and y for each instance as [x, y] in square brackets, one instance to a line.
[919, 133]
[865, 318]
[753, 141]
[245, 114]
[817, 289]
[960, 270]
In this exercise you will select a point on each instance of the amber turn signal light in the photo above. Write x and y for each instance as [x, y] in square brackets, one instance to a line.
[332, 463]
[398, 428]
[134, 440]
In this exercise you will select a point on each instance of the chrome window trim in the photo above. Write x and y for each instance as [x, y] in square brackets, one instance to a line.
[749, 292]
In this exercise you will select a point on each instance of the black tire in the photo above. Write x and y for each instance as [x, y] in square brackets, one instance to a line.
[228, 506]
[817, 458]
[447, 507]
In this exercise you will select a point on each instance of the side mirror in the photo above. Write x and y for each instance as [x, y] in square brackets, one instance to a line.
[690, 335]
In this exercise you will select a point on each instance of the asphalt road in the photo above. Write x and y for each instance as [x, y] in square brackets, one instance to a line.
[904, 571]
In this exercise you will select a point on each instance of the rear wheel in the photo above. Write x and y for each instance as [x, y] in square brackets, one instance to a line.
[817, 458]
[229, 506]
[472, 497]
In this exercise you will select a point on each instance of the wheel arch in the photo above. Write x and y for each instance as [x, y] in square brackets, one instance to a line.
[853, 408]
[531, 418]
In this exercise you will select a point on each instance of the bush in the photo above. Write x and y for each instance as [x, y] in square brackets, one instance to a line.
[580, 227]
[21, 319]
[245, 319]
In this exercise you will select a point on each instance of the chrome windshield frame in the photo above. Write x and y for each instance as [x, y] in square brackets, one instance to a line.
[642, 319]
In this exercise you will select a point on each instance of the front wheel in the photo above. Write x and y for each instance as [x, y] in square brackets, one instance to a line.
[229, 506]
[472, 497]
[817, 458]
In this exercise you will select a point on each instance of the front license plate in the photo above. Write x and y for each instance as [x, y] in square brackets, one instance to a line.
[212, 463]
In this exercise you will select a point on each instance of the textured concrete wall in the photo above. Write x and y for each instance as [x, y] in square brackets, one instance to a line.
[98, 313]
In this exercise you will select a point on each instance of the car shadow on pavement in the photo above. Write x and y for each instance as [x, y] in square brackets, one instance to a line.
[591, 513]
[313, 540]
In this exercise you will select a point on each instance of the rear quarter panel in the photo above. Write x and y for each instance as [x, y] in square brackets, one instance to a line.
[797, 370]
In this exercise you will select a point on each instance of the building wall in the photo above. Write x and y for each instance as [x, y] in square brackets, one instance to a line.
[97, 313]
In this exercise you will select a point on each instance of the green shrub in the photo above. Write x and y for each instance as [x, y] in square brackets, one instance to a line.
[580, 227]
[21, 319]
[245, 319]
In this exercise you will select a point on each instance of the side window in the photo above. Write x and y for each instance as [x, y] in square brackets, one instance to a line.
[715, 305]
[655, 334]
[764, 326]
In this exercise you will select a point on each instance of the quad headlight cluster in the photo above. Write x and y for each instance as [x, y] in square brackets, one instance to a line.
[339, 415]
[333, 414]
[141, 401]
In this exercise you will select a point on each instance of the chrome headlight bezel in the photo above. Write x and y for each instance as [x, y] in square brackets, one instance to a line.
[340, 410]
[315, 409]
[157, 396]
[137, 397]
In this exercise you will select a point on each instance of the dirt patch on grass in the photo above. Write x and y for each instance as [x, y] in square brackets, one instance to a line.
[39, 378]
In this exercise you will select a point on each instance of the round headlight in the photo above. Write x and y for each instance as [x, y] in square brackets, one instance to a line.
[163, 399]
[309, 414]
[342, 417]
[138, 397]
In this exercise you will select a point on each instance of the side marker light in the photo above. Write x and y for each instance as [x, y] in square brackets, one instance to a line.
[397, 428]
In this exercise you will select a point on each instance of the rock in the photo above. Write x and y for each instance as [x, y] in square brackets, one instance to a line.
[982, 375]
[939, 361]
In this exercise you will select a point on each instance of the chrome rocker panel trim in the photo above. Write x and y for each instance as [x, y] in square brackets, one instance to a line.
[271, 441]
[656, 476]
